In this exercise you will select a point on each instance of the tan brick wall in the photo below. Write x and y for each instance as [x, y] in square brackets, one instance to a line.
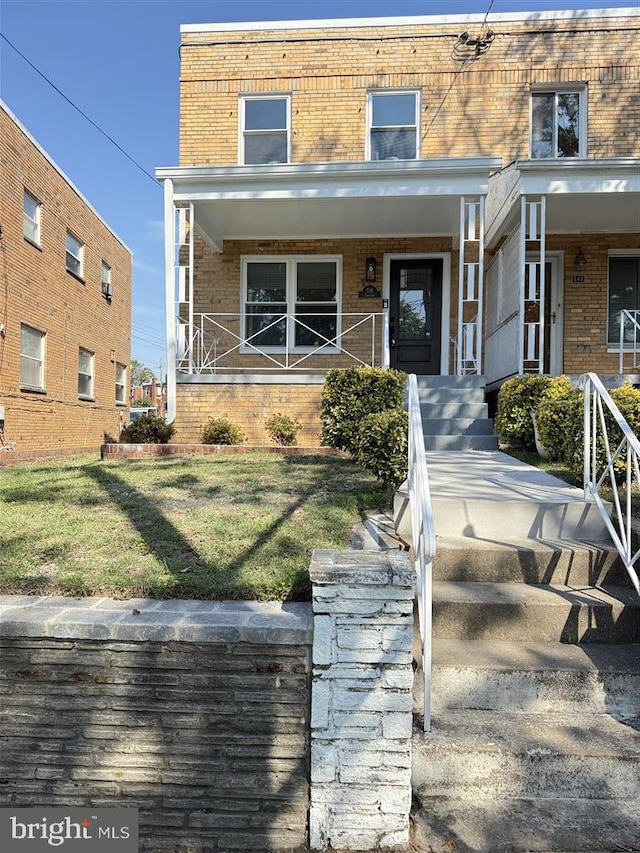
[36, 289]
[248, 406]
[481, 108]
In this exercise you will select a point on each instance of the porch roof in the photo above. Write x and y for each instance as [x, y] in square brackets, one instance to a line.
[315, 200]
[582, 196]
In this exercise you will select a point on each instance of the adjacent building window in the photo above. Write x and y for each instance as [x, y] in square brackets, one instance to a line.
[31, 219]
[265, 130]
[85, 374]
[31, 357]
[624, 293]
[292, 302]
[106, 281]
[558, 124]
[121, 383]
[75, 251]
[393, 125]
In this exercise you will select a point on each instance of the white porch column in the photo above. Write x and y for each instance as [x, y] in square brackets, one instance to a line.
[532, 284]
[169, 279]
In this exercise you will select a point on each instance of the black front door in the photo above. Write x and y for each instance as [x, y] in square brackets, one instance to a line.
[415, 307]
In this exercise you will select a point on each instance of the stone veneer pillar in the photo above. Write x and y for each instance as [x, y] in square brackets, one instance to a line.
[361, 706]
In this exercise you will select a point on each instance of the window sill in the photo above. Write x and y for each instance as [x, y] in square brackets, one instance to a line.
[86, 399]
[121, 405]
[33, 389]
[293, 351]
[76, 276]
[33, 243]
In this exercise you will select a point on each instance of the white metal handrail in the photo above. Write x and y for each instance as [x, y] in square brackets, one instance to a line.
[629, 321]
[626, 448]
[423, 535]
[217, 338]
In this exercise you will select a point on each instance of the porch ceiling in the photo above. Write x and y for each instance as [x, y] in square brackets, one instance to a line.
[582, 196]
[400, 198]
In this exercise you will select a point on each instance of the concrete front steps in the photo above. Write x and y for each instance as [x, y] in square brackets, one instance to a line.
[535, 741]
[454, 413]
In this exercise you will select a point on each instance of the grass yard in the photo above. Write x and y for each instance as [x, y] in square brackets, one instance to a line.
[224, 527]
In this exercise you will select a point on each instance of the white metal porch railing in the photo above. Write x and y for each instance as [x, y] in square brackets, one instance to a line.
[422, 535]
[624, 447]
[217, 342]
[630, 339]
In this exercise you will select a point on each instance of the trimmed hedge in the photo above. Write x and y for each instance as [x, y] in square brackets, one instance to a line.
[221, 431]
[147, 429]
[383, 446]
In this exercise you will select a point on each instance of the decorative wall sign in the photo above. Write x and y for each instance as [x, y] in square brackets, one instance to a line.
[369, 291]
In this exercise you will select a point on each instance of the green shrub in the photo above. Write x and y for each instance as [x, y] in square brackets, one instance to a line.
[147, 429]
[559, 417]
[221, 431]
[382, 445]
[517, 398]
[349, 395]
[282, 429]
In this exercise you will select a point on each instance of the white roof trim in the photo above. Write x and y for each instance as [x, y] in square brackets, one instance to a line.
[410, 21]
[53, 163]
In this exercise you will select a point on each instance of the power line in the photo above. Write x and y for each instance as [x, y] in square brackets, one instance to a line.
[82, 113]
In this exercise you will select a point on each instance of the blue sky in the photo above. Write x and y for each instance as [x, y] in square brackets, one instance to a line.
[118, 61]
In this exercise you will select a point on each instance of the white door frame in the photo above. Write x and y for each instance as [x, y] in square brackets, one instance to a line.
[556, 295]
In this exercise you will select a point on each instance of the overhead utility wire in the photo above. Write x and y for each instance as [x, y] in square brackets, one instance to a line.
[83, 114]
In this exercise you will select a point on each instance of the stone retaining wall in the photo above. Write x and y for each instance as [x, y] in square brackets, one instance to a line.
[197, 713]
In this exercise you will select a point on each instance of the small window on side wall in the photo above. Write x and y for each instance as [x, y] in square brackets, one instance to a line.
[265, 130]
[75, 252]
[85, 374]
[107, 291]
[558, 124]
[31, 358]
[393, 125]
[121, 383]
[31, 219]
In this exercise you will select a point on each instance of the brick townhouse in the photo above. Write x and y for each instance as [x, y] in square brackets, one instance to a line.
[65, 306]
[447, 195]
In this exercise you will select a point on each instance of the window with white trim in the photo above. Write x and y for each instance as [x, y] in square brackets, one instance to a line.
[292, 301]
[107, 291]
[393, 122]
[121, 383]
[31, 357]
[31, 219]
[624, 293]
[558, 123]
[85, 374]
[75, 252]
[265, 129]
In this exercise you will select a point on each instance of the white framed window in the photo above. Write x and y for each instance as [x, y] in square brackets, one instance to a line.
[85, 374]
[107, 291]
[623, 293]
[559, 123]
[292, 302]
[121, 383]
[393, 124]
[265, 129]
[31, 219]
[31, 357]
[75, 252]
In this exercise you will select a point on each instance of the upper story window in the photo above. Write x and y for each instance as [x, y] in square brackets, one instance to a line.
[85, 374]
[624, 294]
[31, 357]
[292, 302]
[107, 290]
[265, 130]
[121, 380]
[31, 219]
[393, 125]
[558, 123]
[75, 251]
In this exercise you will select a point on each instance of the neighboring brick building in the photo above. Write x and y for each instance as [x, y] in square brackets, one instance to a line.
[65, 306]
[442, 194]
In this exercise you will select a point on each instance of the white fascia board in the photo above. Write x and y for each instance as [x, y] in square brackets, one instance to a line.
[453, 176]
[614, 175]
[410, 21]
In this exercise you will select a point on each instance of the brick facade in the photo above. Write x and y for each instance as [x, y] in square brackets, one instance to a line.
[38, 291]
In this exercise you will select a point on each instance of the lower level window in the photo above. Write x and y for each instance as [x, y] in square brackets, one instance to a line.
[121, 378]
[85, 373]
[624, 294]
[31, 357]
[291, 302]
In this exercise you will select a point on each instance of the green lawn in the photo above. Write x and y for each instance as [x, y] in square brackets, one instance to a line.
[224, 527]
